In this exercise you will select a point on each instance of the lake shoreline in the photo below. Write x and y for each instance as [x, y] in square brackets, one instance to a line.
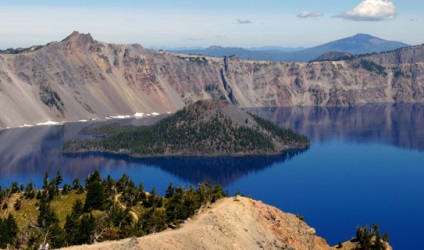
[186, 155]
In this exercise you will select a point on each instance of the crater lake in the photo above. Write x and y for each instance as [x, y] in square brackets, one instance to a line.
[365, 166]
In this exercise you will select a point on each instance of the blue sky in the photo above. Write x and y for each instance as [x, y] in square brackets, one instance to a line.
[241, 23]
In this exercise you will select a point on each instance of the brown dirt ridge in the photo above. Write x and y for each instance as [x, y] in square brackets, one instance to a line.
[230, 223]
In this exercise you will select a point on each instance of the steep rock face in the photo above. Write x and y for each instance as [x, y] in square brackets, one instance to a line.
[80, 78]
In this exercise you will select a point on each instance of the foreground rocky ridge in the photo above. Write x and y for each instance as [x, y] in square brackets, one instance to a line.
[230, 223]
[80, 78]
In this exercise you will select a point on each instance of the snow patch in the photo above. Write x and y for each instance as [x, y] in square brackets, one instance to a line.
[25, 125]
[47, 123]
[139, 115]
[118, 116]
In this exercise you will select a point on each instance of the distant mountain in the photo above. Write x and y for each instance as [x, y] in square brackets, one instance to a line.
[355, 45]
[166, 48]
[80, 78]
[276, 48]
[226, 51]
[218, 51]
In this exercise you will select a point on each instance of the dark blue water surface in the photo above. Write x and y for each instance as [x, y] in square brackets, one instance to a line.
[365, 166]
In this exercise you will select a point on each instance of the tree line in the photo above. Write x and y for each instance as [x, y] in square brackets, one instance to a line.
[103, 209]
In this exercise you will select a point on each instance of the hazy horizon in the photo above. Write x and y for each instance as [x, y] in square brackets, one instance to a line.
[189, 23]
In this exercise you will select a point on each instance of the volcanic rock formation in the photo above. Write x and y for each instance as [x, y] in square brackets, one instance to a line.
[80, 78]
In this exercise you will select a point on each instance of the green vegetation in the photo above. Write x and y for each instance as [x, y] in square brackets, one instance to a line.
[200, 129]
[372, 67]
[107, 209]
[398, 73]
[334, 56]
[8, 231]
[199, 60]
[370, 238]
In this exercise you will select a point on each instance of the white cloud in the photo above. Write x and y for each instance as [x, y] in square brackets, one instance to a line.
[371, 10]
[306, 14]
[245, 21]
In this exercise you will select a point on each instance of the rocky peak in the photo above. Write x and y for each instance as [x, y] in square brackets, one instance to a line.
[361, 36]
[79, 39]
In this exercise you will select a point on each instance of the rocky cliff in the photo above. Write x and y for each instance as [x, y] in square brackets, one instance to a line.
[80, 78]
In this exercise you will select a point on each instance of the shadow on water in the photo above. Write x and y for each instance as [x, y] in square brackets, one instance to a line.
[223, 170]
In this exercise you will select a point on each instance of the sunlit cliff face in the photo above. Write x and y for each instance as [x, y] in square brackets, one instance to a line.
[80, 78]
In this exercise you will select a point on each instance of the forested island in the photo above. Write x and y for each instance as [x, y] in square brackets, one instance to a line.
[205, 128]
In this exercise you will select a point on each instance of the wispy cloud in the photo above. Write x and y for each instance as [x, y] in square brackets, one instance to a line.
[371, 10]
[306, 14]
[243, 21]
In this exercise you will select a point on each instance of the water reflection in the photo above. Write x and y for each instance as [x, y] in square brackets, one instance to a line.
[398, 124]
[223, 170]
[26, 153]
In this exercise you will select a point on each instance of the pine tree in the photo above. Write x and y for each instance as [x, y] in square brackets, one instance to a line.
[78, 208]
[96, 196]
[47, 216]
[56, 236]
[169, 191]
[30, 191]
[8, 231]
[76, 184]
[59, 179]
[86, 229]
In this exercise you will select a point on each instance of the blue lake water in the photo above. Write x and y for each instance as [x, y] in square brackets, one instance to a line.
[365, 166]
